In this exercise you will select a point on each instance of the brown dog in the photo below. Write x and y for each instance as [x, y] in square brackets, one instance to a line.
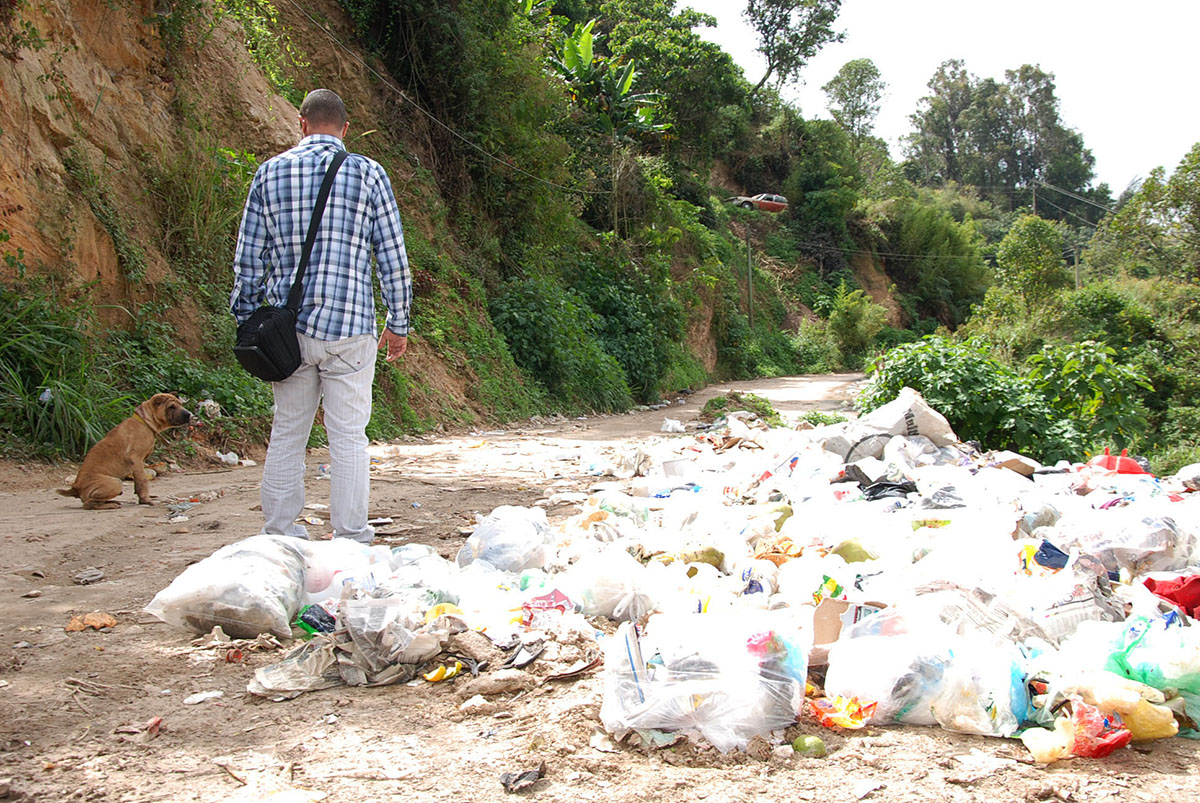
[122, 453]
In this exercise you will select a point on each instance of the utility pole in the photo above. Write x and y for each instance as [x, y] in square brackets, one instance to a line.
[1035, 197]
[1075, 254]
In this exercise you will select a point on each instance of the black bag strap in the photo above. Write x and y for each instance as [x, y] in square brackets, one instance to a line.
[296, 294]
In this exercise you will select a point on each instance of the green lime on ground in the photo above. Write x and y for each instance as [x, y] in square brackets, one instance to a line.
[812, 746]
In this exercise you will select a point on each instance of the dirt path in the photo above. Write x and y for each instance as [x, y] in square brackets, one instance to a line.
[66, 698]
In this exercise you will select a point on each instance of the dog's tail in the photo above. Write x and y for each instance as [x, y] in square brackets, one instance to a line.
[67, 492]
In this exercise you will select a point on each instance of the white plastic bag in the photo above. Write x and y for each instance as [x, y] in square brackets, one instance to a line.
[612, 584]
[511, 539]
[729, 677]
[249, 587]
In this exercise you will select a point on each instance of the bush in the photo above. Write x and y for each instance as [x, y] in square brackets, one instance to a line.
[1082, 382]
[854, 323]
[736, 400]
[982, 398]
[553, 336]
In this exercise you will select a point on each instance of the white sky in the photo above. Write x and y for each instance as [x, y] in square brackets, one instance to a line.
[1127, 74]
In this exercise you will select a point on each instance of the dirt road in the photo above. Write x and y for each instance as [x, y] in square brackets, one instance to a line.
[74, 706]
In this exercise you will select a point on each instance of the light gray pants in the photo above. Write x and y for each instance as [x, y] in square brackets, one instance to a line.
[341, 371]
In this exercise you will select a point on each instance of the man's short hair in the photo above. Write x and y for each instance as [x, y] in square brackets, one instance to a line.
[323, 107]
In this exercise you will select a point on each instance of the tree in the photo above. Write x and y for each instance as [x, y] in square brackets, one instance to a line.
[854, 95]
[790, 33]
[1029, 260]
[695, 78]
[936, 147]
[1006, 138]
[1157, 230]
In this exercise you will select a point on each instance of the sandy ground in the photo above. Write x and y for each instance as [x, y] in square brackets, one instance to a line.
[67, 699]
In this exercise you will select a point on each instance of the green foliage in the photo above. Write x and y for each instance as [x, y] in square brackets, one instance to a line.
[1029, 261]
[637, 320]
[1005, 138]
[854, 322]
[790, 32]
[822, 185]
[1157, 231]
[941, 267]
[982, 398]
[16, 33]
[854, 95]
[268, 43]
[684, 371]
[698, 83]
[736, 400]
[57, 398]
[604, 90]
[814, 350]
[820, 418]
[199, 192]
[99, 196]
[1083, 383]
[553, 336]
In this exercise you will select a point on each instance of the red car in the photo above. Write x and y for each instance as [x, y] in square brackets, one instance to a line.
[764, 201]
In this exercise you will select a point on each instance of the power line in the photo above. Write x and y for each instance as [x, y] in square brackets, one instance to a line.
[430, 115]
[1076, 197]
[883, 253]
[1069, 212]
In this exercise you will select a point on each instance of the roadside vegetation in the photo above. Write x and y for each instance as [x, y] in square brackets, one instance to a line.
[572, 250]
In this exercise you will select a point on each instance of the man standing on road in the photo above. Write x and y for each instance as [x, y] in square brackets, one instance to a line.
[336, 325]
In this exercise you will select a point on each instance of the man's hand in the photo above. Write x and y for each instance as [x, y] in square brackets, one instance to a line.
[396, 344]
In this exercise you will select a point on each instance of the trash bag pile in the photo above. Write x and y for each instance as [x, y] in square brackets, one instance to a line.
[875, 571]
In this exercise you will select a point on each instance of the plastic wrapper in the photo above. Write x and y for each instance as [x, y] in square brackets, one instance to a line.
[842, 713]
[1127, 538]
[946, 658]
[249, 587]
[511, 539]
[1162, 653]
[382, 629]
[330, 565]
[614, 585]
[727, 677]
[1047, 746]
[1096, 736]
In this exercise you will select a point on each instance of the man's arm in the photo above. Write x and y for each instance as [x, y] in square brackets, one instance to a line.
[249, 260]
[387, 239]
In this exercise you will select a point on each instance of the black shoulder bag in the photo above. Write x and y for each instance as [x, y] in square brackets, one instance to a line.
[267, 345]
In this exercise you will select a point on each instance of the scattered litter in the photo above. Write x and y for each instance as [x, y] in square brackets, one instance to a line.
[96, 621]
[32, 594]
[603, 742]
[519, 781]
[89, 575]
[203, 696]
[811, 746]
[672, 425]
[732, 562]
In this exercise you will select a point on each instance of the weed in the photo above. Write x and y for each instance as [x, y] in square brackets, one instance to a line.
[736, 400]
[820, 418]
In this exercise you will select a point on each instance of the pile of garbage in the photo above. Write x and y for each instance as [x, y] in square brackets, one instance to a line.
[875, 571]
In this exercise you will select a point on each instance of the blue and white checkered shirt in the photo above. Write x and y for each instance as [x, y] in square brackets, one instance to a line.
[360, 217]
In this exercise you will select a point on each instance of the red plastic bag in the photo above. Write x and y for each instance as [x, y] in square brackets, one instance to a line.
[1096, 735]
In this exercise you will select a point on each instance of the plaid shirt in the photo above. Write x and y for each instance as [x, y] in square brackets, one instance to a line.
[360, 216]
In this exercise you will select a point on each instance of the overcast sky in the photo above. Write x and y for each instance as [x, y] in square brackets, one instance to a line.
[1127, 73]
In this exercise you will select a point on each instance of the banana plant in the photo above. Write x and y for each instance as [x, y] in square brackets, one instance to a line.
[605, 90]
[535, 10]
